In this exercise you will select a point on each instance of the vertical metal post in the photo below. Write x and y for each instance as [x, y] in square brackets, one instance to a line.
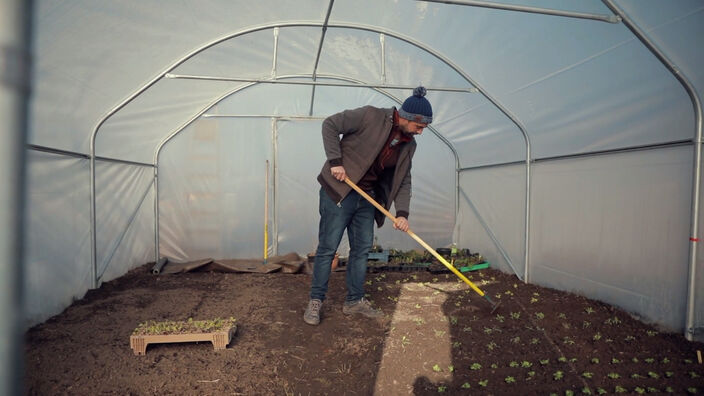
[382, 41]
[15, 27]
[156, 213]
[276, 51]
[275, 177]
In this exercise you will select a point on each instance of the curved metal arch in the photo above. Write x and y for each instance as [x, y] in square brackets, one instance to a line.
[239, 89]
[368, 28]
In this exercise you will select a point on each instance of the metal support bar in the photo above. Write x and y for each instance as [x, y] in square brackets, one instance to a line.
[315, 83]
[533, 10]
[676, 143]
[74, 154]
[121, 161]
[276, 52]
[382, 43]
[697, 163]
[279, 117]
[156, 214]
[124, 232]
[274, 189]
[317, 56]
[51, 150]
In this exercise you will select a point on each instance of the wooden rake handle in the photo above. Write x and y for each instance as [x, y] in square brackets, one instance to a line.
[417, 238]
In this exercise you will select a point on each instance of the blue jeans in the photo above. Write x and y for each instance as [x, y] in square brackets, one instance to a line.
[356, 215]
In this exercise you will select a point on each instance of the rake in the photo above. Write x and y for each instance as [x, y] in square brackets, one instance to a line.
[427, 247]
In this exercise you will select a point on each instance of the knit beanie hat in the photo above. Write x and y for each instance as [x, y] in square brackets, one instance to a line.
[417, 108]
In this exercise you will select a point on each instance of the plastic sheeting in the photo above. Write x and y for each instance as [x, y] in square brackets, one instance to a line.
[572, 86]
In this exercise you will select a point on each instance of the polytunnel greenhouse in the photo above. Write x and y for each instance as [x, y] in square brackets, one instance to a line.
[565, 148]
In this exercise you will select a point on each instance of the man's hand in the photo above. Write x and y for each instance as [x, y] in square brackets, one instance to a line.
[401, 224]
[338, 172]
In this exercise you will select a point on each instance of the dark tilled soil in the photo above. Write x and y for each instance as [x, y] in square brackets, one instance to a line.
[438, 336]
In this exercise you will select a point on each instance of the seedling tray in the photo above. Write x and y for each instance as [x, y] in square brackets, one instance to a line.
[475, 267]
[220, 339]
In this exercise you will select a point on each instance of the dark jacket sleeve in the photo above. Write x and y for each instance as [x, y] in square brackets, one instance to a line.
[342, 123]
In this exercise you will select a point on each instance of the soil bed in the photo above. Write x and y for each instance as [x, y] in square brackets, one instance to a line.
[438, 337]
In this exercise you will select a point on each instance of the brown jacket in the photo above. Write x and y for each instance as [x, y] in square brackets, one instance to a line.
[364, 132]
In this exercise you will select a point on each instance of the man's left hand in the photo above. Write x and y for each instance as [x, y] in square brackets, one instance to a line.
[401, 224]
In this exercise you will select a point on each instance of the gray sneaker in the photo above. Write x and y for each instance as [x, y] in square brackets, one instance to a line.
[312, 314]
[363, 307]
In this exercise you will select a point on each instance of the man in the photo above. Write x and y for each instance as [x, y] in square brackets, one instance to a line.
[375, 152]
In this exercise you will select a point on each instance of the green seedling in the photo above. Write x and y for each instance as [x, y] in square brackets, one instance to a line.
[515, 315]
[500, 318]
[589, 310]
[669, 374]
[453, 320]
[639, 390]
[557, 375]
[442, 388]
[692, 390]
[567, 341]
[615, 361]
[586, 324]
[475, 366]
[456, 344]
[620, 389]
[466, 385]
[587, 374]
[510, 380]
[562, 316]
[437, 368]
[451, 368]
[562, 359]
[629, 338]
[595, 360]
[596, 337]
[516, 340]
[543, 362]
[494, 365]
[534, 341]
[540, 315]
[483, 383]
[533, 300]
[650, 360]
[692, 374]
[665, 360]
[601, 391]
[635, 360]
[513, 364]
[636, 375]
[526, 364]
[653, 374]
[613, 375]
[651, 333]
[586, 391]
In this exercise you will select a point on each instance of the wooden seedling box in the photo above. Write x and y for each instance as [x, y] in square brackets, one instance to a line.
[220, 339]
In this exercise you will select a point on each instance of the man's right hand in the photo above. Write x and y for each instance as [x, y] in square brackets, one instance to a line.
[338, 172]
